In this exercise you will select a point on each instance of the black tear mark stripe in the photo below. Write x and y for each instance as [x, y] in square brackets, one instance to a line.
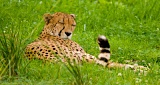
[61, 31]
[103, 59]
[105, 51]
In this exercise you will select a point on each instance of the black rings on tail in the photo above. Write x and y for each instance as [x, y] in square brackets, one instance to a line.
[104, 47]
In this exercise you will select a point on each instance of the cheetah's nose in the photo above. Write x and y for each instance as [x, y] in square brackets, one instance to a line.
[68, 33]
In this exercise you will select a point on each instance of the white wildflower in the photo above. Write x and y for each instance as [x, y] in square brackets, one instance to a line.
[119, 74]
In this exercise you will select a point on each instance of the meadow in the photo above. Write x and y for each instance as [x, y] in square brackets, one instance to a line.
[131, 26]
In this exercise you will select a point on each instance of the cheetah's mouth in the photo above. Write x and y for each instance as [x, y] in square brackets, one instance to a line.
[66, 37]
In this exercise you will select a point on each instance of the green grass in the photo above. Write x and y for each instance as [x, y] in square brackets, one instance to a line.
[132, 27]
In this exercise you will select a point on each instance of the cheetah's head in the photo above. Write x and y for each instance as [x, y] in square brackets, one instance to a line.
[60, 24]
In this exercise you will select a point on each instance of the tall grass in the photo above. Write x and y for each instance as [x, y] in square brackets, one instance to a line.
[75, 71]
[11, 52]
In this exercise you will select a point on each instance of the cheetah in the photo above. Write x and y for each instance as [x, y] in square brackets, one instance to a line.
[54, 44]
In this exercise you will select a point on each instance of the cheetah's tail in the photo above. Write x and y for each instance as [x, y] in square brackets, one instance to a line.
[104, 56]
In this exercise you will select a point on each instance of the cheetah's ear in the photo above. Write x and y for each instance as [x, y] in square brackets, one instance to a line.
[47, 17]
[73, 15]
